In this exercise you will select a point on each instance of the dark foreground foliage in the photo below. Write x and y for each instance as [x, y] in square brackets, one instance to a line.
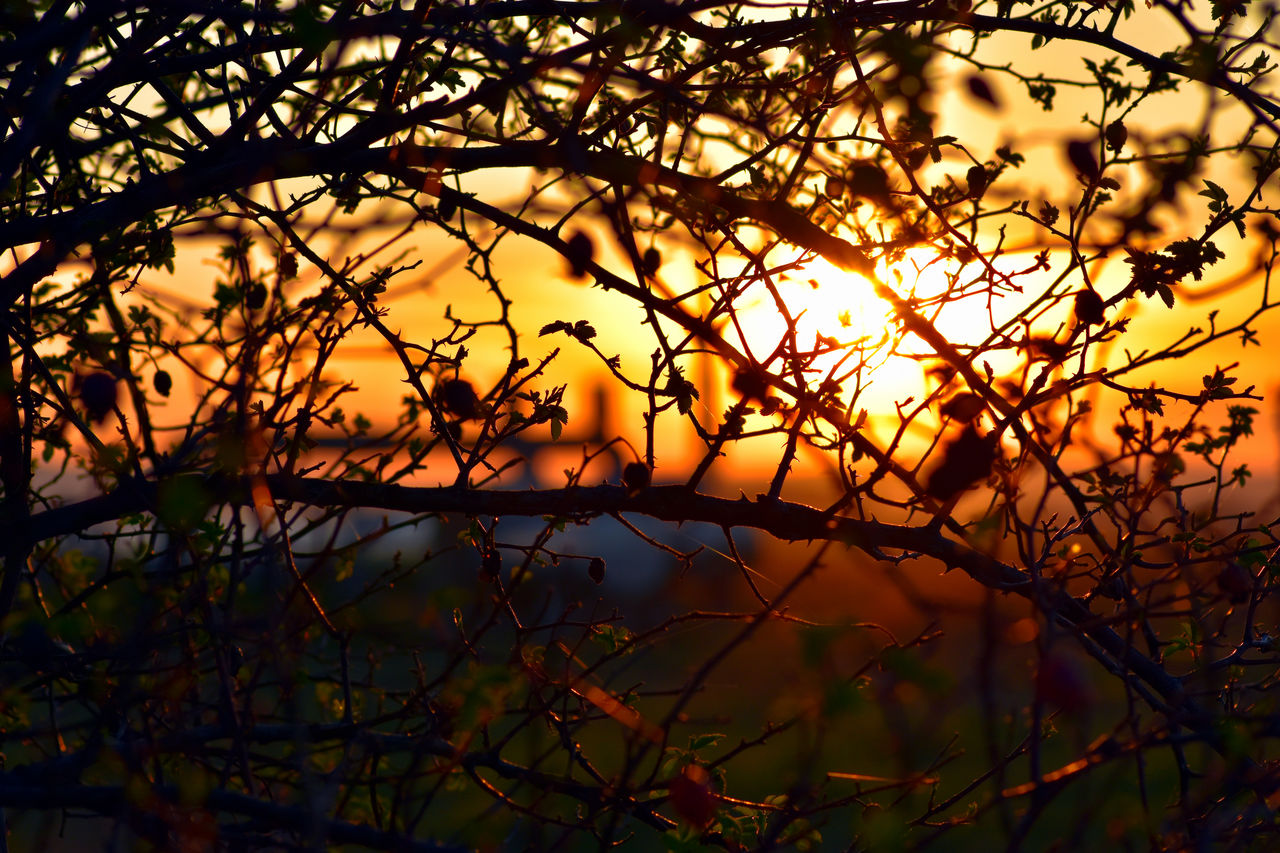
[246, 606]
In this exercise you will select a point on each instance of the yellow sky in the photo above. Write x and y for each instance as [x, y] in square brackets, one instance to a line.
[535, 279]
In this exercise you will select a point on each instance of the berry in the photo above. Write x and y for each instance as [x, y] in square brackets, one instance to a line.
[965, 461]
[692, 797]
[578, 252]
[964, 406]
[1089, 308]
[256, 296]
[459, 398]
[651, 260]
[1061, 681]
[635, 477]
[98, 393]
[1117, 135]
[1080, 153]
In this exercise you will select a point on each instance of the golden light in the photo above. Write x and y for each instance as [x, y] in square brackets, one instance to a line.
[852, 334]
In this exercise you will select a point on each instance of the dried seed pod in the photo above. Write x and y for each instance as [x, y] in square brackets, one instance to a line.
[287, 266]
[595, 569]
[163, 382]
[750, 383]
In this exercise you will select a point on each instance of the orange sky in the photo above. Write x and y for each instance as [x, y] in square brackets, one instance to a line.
[536, 281]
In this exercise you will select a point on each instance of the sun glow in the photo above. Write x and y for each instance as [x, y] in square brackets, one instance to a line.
[838, 324]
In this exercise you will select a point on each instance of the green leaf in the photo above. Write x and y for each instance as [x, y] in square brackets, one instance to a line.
[559, 417]
[611, 638]
[704, 741]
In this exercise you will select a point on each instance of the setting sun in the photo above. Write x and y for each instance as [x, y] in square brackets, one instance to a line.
[837, 315]
[658, 425]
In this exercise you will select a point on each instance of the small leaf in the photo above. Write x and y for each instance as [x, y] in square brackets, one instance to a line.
[977, 178]
[559, 417]
[704, 741]
[980, 89]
